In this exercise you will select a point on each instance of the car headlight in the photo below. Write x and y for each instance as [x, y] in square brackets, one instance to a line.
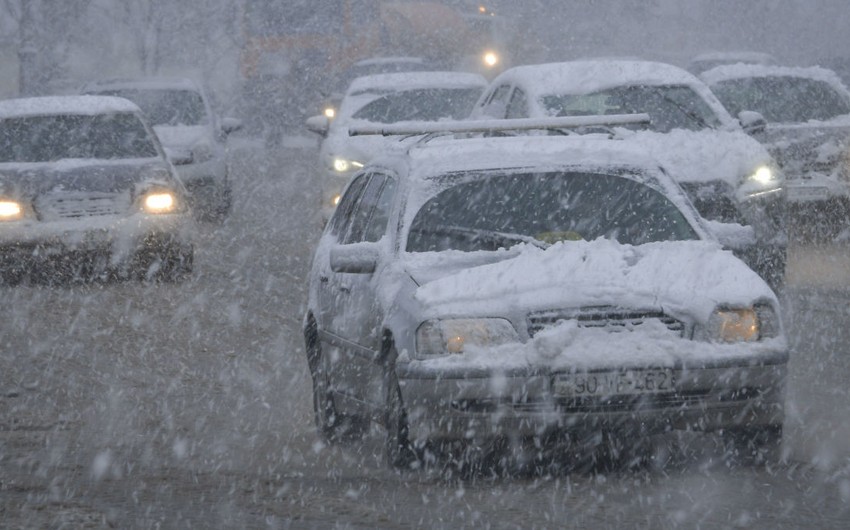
[440, 337]
[344, 165]
[329, 112]
[490, 59]
[160, 201]
[11, 210]
[747, 324]
[764, 179]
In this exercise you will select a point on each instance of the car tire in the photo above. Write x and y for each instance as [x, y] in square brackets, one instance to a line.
[753, 445]
[331, 425]
[400, 452]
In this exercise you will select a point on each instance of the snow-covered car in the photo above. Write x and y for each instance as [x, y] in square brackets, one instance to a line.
[193, 136]
[367, 67]
[730, 177]
[709, 60]
[86, 191]
[385, 99]
[807, 115]
[546, 288]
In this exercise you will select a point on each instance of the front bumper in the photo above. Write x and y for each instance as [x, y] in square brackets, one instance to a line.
[28, 244]
[481, 405]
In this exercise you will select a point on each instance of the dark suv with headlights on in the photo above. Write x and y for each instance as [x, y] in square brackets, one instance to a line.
[86, 192]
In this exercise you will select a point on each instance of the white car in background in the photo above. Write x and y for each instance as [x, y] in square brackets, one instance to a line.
[193, 136]
[730, 177]
[87, 193]
[535, 291]
[807, 124]
[385, 99]
[707, 61]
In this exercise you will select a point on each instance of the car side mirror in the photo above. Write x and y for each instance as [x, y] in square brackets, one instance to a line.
[229, 125]
[318, 124]
[356, 258]
[752, 122]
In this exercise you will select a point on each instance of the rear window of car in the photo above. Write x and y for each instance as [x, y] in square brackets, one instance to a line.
[782, 99]
[493, 212]
[428, 104]
[51, 138]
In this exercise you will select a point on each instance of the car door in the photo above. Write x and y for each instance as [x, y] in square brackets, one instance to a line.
[359, 317]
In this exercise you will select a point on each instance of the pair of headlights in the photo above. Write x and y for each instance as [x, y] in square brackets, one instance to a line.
[156, 201]
[454, 336]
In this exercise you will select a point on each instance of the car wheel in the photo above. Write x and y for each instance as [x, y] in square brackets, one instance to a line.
[757, 445]
[331, 425]
[400, 452]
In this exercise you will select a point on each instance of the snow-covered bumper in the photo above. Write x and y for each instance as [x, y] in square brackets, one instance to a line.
[481, 403]
[30, 243]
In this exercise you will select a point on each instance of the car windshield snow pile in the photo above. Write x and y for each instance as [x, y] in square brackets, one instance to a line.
[166, 107]
[427, 104]
[782, 99]
[51, 138]
[669, 107]
[484, 212]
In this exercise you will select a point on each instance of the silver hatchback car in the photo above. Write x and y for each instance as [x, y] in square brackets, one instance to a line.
[534, 288]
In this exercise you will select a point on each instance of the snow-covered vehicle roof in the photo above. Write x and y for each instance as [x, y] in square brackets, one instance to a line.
[708, 60]
[413, 80]
[148, 83]
[584, 77]
[50, 105]
[741, 71]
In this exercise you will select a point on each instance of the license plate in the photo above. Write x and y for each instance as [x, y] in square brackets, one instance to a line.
[629, 382]
[804, 193]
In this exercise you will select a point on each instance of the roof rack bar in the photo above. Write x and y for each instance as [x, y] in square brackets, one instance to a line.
[483, 126]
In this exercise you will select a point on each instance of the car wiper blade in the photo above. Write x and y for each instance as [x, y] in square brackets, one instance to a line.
[496, 236]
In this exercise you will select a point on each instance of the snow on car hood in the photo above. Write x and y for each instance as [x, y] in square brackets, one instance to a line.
[33, 179]
[181, 136]
[682, 278]
[703, 156]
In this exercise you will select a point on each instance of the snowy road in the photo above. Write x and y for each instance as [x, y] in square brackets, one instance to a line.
[189, 405]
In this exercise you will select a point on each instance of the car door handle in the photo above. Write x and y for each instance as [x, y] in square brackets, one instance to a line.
[324, 279]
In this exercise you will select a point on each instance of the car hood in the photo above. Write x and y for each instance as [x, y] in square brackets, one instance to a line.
[181, 136]
[807, 147]
[682, 278]
[31, 180]
[703, 156]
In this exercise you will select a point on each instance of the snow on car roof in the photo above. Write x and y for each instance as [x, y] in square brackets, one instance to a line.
[741, 56]
[149, 83]
[49, 105]
[582, 77]
[739, 71]
[413, 80]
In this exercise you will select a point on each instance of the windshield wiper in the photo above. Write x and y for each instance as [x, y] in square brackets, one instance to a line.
[497, 237]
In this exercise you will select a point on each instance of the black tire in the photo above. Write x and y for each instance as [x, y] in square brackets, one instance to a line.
[753, 445]
[332, 426]
[399, 451]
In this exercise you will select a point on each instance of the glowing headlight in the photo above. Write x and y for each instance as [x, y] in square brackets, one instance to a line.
[335, 200]
[734, 325]
[763, 175]
[160, 202]
[11, 211]
[329, 112]
[341, 165]
[440, 337]
[490, 59]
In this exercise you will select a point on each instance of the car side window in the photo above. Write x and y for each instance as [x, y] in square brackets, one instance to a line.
[363, 211]
[497, 105]
[377, 225]
[342, 216]
[518, 106]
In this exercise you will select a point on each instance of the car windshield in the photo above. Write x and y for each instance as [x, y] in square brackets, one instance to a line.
[491, 212]
[166, 107]
[669, 107]
[50, 138]
[426, 104]
[782, 99]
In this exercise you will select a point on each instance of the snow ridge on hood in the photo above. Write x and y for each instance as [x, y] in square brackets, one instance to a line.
[681, 277]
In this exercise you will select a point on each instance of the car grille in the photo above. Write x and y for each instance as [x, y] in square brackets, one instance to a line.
[54, 206]
[609, 318]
